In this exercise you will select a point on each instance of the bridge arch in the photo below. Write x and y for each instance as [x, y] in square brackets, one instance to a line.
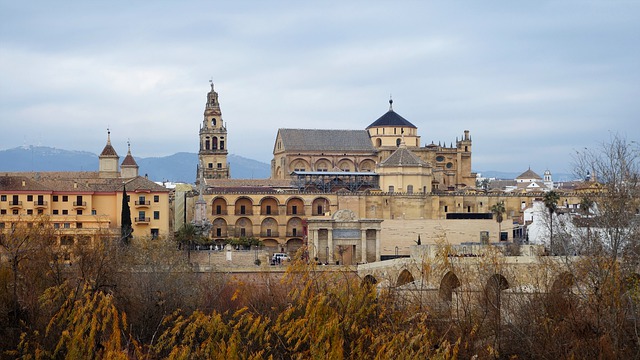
[448, 283]
[404, 278]
[369, 280]
[493, 293]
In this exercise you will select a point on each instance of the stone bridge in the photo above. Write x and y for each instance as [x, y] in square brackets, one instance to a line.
[444, 277]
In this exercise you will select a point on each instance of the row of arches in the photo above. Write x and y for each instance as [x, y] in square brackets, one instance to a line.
[269, 205]
[325, 164]
[492, 289]
[269, 227]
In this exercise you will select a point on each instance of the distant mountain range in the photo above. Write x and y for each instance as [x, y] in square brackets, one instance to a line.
[179, 167]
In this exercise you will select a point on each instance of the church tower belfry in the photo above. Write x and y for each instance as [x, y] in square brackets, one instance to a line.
[213, 140]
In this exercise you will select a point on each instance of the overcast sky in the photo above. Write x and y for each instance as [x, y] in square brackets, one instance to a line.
[532, 81]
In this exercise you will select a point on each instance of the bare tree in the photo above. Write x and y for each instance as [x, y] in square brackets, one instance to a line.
[615, 170]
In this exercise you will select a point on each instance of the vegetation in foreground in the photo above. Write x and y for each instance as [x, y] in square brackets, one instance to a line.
[142, 300]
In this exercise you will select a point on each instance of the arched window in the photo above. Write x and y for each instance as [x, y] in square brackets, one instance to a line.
[207, 143]
[215, 143]
[398, 142]
[378, 142]
[213, 121]
[409, 189]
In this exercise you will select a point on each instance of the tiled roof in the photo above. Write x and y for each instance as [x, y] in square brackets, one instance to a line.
[82, 181]
[247, 185]
[325, 140]
[529, 174]
[403, 157]
[221, 183]
[129, 161]
[108, 151]
[391, 118]
[501, 184]
[19, 183]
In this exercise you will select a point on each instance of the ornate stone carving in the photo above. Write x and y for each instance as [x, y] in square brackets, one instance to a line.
[344, 215]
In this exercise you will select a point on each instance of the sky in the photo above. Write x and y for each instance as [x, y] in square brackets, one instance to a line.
[533, 81]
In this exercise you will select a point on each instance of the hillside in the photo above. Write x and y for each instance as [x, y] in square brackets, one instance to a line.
[179, 167]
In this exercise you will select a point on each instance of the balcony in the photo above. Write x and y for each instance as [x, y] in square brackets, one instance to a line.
[142, 220]
[246, 213]
[269, 213]
[140, 204]
[221, 212]
[269, 234]
[15, 204]
[297, 233]
[79, 204]
[40, 204]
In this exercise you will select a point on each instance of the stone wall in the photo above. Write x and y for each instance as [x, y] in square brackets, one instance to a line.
[404, 233]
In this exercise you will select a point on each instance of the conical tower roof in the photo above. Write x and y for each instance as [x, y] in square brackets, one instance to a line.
[108, 149]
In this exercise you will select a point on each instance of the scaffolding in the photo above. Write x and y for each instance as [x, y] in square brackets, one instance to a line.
[331, 181]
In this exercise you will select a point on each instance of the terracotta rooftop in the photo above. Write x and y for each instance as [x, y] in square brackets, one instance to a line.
[77, 181]
[529, 174]
[403, 157]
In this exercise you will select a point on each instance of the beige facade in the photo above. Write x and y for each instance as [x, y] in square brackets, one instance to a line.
[343, 237]
[272, 212]
[322, 151]
[83, 206]
[312, 150]
[426, 191]
[212, 155]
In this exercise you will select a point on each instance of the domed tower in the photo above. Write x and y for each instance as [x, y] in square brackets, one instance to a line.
[213, 140]
[391, 129]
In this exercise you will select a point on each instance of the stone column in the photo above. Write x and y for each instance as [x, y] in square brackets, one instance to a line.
[314, 237]
[330, 244]
[377, 245]
[363, 246]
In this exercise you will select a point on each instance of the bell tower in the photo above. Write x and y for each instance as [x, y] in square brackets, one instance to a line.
[213, 140]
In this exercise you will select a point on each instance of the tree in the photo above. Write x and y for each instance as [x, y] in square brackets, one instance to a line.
[26, 245]
[550, 201]
[498, 210]
[186, 236]
[586, 204]
[125, 218]
[615, 167]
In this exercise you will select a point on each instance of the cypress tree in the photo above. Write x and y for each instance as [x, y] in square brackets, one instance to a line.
[125, 219]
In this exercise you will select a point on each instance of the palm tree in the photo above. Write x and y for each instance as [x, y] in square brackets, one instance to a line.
[498, 210]
[586, 204]
[550, 200]
[187, 235]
